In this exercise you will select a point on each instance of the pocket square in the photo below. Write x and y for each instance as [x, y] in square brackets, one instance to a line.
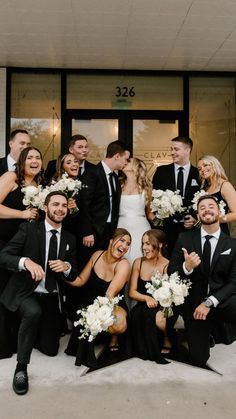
[67, 247]
[226, 252]
[194, 182]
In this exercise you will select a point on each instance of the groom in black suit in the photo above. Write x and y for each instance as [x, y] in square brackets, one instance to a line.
[178, 175]
[41, 255]
[207, 257]
[100, 198]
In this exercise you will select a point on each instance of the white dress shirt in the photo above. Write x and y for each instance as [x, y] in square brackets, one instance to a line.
[11, 163]
[107, 171]
[41, 286]
[213, 241]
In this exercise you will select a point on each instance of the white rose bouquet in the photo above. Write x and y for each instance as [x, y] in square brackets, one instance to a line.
[201, 193]
[97, 317]
[165, 204]
[34, 196]
[168, 291]
[69, 186]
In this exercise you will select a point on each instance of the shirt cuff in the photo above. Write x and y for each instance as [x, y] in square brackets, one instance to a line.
[214, 300]
[185, 270]
[21, 264]
[67, 272]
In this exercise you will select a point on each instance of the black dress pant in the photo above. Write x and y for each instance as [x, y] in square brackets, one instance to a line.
[40, 326]
[198, 331]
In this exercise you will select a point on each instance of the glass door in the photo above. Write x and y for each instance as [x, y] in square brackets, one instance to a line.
[99, 133]
[151, 141]
[146, 133]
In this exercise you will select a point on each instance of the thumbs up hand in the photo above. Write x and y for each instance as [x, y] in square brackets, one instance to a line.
[192, 260]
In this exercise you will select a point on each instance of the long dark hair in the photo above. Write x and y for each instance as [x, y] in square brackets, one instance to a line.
[156, 237]
[59, 166]
[20, 167]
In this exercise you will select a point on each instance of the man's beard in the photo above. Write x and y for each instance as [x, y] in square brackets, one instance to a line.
[54, 219]
[213, 220]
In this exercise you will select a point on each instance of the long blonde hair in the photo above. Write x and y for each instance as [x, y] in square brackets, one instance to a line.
[141, 176]
[219, 172]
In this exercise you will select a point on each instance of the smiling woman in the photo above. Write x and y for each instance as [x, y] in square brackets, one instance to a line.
[106, 273]
[215, 182]
[12, 213]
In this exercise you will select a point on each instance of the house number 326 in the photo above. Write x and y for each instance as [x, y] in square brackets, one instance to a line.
[125, 91]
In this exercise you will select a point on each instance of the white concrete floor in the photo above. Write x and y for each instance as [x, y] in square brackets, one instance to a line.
[133, 389]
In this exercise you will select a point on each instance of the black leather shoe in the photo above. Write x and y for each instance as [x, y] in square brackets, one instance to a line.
[20, 382]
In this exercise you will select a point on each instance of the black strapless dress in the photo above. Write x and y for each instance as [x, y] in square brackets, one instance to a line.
[147, 339]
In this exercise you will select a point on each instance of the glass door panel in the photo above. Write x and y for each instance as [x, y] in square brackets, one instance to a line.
[99, 132]
[151, 141]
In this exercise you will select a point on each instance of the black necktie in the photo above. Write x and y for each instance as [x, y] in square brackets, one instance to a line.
[113, 193]
[206, 255]
[180, 181]
[50, 280]
[80, 172]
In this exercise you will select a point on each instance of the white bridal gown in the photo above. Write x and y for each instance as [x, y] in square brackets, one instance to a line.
[132, 216]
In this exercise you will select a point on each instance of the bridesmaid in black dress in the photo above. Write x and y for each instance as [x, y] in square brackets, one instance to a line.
[12, 213]
[68, 164]
[148, 324]
[215, 182]
[106, 273]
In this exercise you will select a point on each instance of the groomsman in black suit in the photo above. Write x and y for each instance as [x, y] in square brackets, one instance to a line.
[19, 139]
[41, 255]
[178, 175]
[100, 198]
[78, 146]
[207, 257]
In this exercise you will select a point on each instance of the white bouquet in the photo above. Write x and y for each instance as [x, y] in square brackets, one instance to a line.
[34, 196]
[70, 187]
[165, 204]
[168, 290]
[201, 193]
[97, 317]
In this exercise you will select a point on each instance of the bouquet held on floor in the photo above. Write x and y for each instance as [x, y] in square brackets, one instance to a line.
[97, 317]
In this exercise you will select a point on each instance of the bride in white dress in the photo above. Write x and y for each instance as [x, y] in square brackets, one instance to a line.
[135, 204]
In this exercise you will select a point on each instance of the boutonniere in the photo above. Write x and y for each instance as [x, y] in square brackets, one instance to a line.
[67, 247]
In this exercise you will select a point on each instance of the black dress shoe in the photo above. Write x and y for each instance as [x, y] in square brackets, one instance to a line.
[20, 382]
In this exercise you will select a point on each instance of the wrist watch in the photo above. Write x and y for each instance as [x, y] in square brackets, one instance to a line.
[208, 303]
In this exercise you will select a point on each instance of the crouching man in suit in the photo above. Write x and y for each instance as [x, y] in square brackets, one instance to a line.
[42, 255]
[207, 257]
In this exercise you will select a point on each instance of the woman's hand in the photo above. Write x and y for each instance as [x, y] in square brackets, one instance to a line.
[30, 214]
[71, 203]
[151, 303]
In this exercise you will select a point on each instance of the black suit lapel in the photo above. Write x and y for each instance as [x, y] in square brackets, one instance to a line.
[171, 176]
[104, 179]
[189, 181]
[42, 242]
[63, 244]
[220, 247]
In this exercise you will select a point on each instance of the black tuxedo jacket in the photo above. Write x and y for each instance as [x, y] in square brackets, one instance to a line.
[3, 165]
[95, 201]
[30, 241]
[221, 283]
[51, 169]
[164, 178]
